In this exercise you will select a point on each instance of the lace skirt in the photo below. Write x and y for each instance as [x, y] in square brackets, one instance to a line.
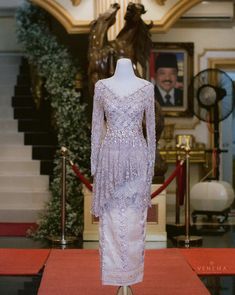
[121, 178]
[122, 243]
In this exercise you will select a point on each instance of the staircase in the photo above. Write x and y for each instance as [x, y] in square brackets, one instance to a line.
[34, 122]
[23, 188]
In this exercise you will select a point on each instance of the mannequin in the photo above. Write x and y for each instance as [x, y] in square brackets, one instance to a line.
[124, 81]
[122, 162]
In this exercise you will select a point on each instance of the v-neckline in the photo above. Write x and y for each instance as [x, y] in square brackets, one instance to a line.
[124, 96]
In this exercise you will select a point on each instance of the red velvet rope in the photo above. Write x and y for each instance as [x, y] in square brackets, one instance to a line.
[168, 181]
[181, 184]
[86, 182]
[83, 179]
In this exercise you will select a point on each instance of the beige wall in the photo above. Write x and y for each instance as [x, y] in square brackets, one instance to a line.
[85, 10]
[8, 35]
[155, 11]
[203, 38]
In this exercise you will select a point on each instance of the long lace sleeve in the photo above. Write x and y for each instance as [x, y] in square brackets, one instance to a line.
[97, 128]
[150, 128]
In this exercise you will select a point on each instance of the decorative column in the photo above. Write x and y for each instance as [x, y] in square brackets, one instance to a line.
[102, 5]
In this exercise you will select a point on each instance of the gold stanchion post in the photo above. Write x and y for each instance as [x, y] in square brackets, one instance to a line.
[63, 240]
[63, 196]
[177, 203]
[125, 290]
[187, 239]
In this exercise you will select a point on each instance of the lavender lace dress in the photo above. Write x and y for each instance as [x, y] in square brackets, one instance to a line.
[122, 162]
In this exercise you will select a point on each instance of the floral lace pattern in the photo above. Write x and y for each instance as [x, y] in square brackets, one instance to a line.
[122, 160]
[122, 236]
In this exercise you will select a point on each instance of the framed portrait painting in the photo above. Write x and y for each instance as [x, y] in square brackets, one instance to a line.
[170, 69]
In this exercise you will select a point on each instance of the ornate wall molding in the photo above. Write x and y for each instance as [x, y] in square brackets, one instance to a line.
[173, 15]
[76, 2]
[71, 25]
[161, 2]
[216, 57]
[74, 26]
[221, 63]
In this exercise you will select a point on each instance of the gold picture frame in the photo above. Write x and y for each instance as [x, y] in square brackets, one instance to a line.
[184, 53]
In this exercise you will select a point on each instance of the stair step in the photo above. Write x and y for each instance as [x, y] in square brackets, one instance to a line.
[6, 91]
[8, 79]
[6, 112]
[31, 167]
[24, 79]
[27, 183]
[17, 215]
[25, 112]
[10, 59]
[5, 101]
[14, 152]
[24, 200]
[23, 101]
[47, 167]
[24, 68]
[11, 138]
[9, 69]
[21, 90]
[27, 125]
[43, 152]
[9, 125]
[39, 138]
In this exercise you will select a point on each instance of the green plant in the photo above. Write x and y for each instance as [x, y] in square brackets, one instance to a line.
[56, 66]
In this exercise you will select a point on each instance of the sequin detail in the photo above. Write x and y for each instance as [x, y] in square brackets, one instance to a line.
[122, 160]
[122, 240]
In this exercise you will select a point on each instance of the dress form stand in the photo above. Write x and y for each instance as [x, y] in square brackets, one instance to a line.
[124, 72]
[122, 88]
[125, 290]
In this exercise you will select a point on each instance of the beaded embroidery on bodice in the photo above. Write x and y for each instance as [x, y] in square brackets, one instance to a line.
[117, 138]
[124, 117]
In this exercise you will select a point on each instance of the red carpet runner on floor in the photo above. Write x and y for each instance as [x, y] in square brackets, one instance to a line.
[22, 261]
[167, 271]
[70, 272]
[208, 261]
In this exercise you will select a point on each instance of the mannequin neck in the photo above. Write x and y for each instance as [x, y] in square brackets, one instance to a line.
[124, 69]
[124, 81]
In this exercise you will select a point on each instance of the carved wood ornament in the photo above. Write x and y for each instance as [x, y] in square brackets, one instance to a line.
[161, 2]
[76, 2]
[133, 41]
